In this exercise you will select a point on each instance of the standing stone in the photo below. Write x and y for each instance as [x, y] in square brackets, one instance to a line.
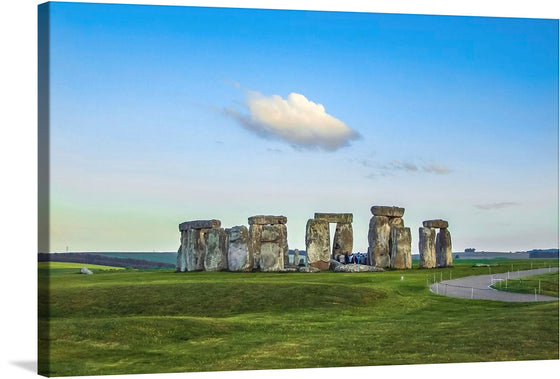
[427, 247]
[240, 255]
[255, 243]
[180, 266]
[401, 256]
[296, 257]
[273, 247]
[215, 255]
[396, 222]
[444, 253]
[317, 242]
[343, 239]
[195, 249]
[378, 239]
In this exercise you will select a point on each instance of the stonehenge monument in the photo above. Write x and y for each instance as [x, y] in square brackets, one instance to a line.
[268, 237]
[435, 250]
[388, 240]
[206, 246]
[317, 238]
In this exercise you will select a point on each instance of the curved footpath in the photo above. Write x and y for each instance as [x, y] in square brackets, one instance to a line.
[478, 287]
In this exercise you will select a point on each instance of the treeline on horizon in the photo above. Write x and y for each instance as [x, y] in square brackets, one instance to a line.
[88, 258]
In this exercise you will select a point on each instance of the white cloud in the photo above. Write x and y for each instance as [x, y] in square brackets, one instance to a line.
[501, 205]
[436, 168]
[296, 120]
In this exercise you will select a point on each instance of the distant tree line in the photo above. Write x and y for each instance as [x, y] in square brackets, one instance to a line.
[95, 259]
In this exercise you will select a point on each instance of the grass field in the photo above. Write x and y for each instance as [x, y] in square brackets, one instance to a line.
[73, 266]
[545, 284]
[117, 322]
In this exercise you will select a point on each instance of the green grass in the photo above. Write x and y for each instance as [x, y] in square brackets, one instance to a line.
[529, 284]
[71, 265]
[126, 321]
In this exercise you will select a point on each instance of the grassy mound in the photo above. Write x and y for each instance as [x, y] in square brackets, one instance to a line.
[117, 322]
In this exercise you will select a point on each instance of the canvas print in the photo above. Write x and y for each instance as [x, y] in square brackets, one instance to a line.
[226, 189]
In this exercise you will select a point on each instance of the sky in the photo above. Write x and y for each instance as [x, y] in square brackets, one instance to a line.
[163, 114]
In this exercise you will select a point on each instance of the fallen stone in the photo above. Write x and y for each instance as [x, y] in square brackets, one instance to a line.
[267, 220]
[377, 210]
[85, 270]
[378, 239]
[308, 269]
[401, 256]
[343, 241]
[353, 267]
[289, 269]
[334, 264]
[317, 242]
[240, 255]
[335, 217]
[200, 224]
[435, 224]
[444, 254]
[427, 247]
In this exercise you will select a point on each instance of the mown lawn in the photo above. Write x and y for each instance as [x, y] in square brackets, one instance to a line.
[117, 322]
[545, 284]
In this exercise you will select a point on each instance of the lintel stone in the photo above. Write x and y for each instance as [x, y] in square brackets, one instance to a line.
[343, 218]
[435, 224]
[200, 224]
[378, 210]
[267, 220]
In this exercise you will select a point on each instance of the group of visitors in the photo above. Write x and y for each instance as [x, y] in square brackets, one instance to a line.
[357, 258]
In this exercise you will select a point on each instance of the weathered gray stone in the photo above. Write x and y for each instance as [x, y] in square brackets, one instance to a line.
[444, 253]
[334, 264]
[289, 269]
[255, 243]
[343, 241]
[267, 220]
[85, 270]
[401, 256]
[308, 269]
[396, 221]
[378, 239]
[378, 210]
[215, 256]
[180, 266]
[271, 257]
[353, 267]
[335, 217]
[427, 247]
[200, 224]
[435, 224]
[240, 255]
[270, 233]
[317, 242]
[296, 257]
[195, 249]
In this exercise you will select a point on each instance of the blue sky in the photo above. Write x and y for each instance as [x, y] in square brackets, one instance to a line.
[165, 114]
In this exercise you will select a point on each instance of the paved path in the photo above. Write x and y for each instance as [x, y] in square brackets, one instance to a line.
[478, 287]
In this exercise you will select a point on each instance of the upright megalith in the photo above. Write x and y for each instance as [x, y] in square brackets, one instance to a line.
[317, 243]
[401, 255]
[180, 266]
[215, 255]
[269, 242]
[443, 248]
[239, 254]
[427, 247]
[193, 243]
[380, 241]
[444, 253]
[343, 241]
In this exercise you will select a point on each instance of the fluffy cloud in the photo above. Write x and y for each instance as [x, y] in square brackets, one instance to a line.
[296, 120]
[504, 204]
